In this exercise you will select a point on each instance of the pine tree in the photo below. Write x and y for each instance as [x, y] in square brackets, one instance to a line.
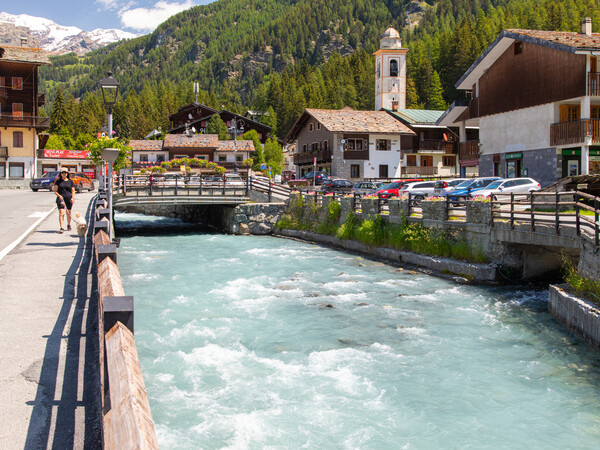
[59, 117]
[435, 100]
[216, 126]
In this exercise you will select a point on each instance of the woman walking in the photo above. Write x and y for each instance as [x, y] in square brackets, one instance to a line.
[64, 188]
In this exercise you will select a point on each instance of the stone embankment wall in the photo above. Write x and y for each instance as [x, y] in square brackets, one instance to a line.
[580, 316]
[14, 184]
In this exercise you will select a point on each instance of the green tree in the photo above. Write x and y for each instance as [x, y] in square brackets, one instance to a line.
[435, 100]
[216, 126]
[258, 156]
[274, 156]
[59, 117]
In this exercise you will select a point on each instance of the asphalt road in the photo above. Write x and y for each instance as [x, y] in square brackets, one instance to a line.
[49, 380]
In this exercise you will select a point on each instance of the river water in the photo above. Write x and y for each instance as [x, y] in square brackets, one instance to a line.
[260, 342]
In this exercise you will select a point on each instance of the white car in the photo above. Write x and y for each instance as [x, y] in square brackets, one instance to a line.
[418, 189]
[233, 179]
[503, 188]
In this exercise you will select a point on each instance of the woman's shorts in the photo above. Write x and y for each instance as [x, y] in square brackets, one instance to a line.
[68, 203]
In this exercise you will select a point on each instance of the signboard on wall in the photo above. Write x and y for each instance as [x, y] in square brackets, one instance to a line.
[71, 154]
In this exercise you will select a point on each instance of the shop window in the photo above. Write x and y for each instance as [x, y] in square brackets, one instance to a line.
[18, 139]
[17, 83]
[383, 144]
[16, 170]
[354, 171]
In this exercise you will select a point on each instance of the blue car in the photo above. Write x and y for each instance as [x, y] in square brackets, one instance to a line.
[464, 190]
[46, 181]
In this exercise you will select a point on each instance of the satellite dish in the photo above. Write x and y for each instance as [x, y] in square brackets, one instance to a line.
[193, 130]
[190, 116]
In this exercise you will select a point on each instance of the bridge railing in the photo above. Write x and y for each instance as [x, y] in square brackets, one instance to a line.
[573, 209]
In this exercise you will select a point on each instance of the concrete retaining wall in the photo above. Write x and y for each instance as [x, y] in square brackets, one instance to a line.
[580, 316]
[14, 184]
[462, 271]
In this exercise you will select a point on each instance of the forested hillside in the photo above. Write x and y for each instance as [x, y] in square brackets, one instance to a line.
[282, 56]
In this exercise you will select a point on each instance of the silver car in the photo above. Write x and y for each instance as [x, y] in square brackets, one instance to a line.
[441, 187]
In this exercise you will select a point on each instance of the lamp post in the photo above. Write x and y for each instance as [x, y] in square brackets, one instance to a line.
[235, 126]
[110, 90]
[110, 155]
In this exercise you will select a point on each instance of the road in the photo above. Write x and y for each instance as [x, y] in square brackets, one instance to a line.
[49, 381]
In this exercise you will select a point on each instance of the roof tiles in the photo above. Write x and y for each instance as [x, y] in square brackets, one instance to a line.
[191, 141]
[23, 55]
[349, 120]
[146, 145]
[568, 38]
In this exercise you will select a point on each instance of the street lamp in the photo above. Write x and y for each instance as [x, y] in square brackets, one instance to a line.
[110, 155]
[235, 126]
[110, 89]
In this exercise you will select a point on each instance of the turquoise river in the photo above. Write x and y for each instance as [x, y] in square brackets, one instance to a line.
[261, 342]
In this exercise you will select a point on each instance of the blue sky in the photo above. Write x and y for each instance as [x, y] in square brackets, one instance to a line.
[136, 16]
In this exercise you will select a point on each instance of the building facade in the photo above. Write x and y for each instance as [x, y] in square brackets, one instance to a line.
[535, 96]
[347, 143]
[20, 124]
[390, 72]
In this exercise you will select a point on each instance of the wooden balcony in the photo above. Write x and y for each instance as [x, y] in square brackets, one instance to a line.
[356, 154]
[593, 81]
[40, 123]
[575, 132]
[420, 170]
[474, 108]
[469, 150]
[323, 156]
[438, 145]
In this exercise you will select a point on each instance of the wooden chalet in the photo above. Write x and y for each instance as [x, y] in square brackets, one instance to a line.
[535, 96]
[20, 124]
[196, 117]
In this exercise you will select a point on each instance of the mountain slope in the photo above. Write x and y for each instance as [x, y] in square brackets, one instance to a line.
[60, 39]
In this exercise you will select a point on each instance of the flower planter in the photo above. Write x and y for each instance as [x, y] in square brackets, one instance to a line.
[434, 210]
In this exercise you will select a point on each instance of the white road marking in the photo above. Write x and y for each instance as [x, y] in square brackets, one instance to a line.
[38, 214]
[16, 242]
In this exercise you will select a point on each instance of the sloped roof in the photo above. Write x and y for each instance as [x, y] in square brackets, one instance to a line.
[566, 41]
[349, 121]
[143, 144]
[417, 116]
[23, 55]
[242, 146]
[189, 141]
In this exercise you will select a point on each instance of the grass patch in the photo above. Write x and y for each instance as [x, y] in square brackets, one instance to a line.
[588, 288]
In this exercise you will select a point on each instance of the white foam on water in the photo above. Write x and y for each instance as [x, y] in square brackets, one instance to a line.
[141, 277]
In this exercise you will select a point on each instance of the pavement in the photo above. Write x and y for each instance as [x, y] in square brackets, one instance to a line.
[49, 376]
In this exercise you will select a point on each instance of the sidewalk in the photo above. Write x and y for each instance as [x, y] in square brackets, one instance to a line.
[49, 377]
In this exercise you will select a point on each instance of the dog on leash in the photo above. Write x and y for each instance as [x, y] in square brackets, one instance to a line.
[80, 224]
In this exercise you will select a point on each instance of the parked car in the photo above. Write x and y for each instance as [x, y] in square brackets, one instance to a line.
[444, 186]
[233, 179]
[318, 176]
[337, 185]
[363, 187]
[508, 186]
[392, 189]
[419, 190]
[465, 189]
[82, 181]
[46, 181]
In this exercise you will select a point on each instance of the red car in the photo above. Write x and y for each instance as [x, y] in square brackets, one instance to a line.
[392, 189]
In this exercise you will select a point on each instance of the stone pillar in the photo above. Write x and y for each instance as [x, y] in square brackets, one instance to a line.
[479, 212]
[347, 208]
[434, 210]
[369, 206]
[398, 209]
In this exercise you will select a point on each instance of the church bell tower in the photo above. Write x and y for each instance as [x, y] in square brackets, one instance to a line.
[390, 72]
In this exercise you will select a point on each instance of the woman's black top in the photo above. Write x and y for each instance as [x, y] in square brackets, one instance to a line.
[65, 187]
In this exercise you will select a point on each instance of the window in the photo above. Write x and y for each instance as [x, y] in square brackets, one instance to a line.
[18, 139]
[2, 170]
[222, 158]
[17, 83]
[448, 161]
[411, 160]
[354, 144]
[325, 145]
[304, 149]
[518, 48]
[426, 161]
[393, 68]
[160, 158]
[314, 147]
[238, 158]
[319, 126]
[204, 157]
[383, 171]
[569, 113]
[311, 126]
[378, 69]
[354, 171]
[17, 110]
[383, 144]
[143, 158]
[16, 170]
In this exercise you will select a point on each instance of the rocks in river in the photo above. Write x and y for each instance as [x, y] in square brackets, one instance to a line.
[325, 305]
[362, 304]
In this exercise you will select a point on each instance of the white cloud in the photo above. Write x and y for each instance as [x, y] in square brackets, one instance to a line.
[109, 4]
[146, 19]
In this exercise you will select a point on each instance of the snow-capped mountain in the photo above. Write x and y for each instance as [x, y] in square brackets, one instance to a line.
[57, 38]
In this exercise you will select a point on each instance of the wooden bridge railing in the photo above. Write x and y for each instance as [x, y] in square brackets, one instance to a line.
[574, 209]
[127, 420]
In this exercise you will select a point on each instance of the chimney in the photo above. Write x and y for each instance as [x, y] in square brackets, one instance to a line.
[586, 26]
[394, 105]
[23, 42]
